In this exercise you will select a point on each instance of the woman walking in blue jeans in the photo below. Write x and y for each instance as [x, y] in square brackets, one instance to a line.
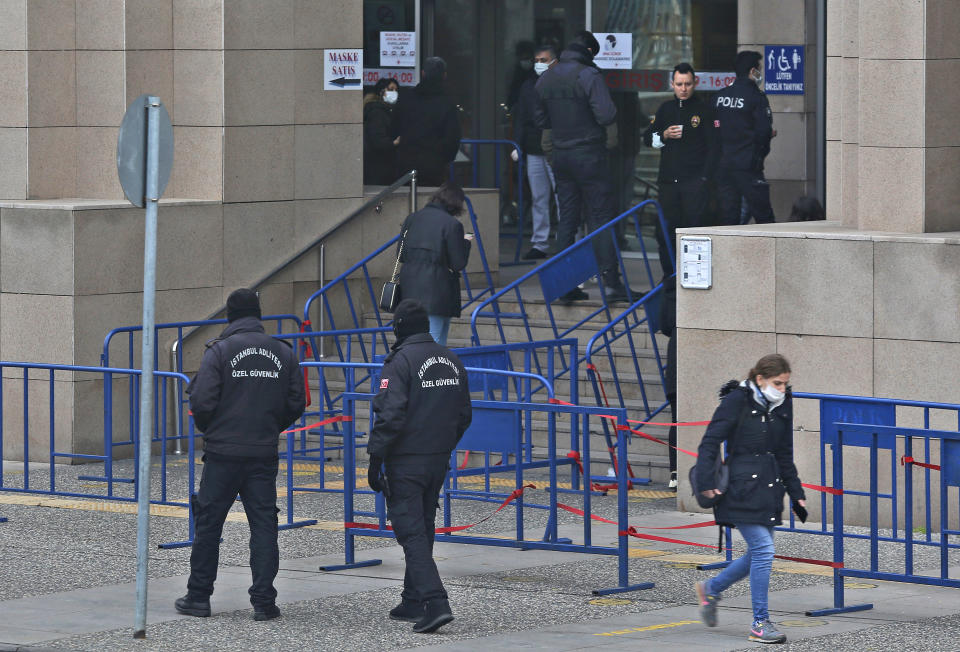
[755, 419]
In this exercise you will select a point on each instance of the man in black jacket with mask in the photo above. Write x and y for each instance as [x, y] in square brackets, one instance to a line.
[575, 104]
[683, 131]
[247, 391]
[421, 411]
[745, 124]
[427, 126]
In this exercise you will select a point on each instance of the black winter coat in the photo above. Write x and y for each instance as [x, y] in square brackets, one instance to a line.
[693, 156]
[423, 405]
[574, 102]
[746, 125]
[426, 121]
[759, 457]
[379, 152]
[247, 391]
[434, 253]
[525, 130]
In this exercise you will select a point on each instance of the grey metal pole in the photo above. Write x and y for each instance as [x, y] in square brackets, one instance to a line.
[178, 445]
[323, 279]
[821, 122]
[413, 191]
[145, 431]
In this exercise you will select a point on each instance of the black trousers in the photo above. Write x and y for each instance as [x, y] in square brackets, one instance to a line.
[684, 204]
[415, 483]
[751, 186]
[583, 180]
[255, 480]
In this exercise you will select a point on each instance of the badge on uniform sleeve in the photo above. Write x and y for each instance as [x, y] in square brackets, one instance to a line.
[716, 124]
[695, 121]
[384, 382]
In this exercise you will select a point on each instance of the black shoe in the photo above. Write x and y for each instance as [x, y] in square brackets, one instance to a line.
[576, 294]
[437, 615]
[619, 293]
[266, 612]
[408, 611]
[534, 254]
[188, 607]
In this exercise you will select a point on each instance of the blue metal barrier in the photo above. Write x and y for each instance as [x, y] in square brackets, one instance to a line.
[507, 416]
[564, 271]
[498, 144]
[106, 374]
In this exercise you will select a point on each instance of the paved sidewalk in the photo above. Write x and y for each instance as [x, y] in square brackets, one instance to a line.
[503, 598]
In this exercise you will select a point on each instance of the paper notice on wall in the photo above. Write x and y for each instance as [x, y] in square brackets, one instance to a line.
[398, 49]
[616, 50]
[342, 69]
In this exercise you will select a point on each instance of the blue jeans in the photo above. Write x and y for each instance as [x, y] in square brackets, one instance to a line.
[439, 327]
[756, 562]
[542, 186]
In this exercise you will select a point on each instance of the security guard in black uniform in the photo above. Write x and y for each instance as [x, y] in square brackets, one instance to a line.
[683, 131]
[746, 126]
[247, 391]
[421, 411]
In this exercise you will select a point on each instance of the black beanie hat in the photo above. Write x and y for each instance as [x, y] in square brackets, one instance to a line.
[410, 318]
[243, 303]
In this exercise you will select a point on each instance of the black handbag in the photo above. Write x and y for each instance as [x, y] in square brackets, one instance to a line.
[390, 292]
[720, 475]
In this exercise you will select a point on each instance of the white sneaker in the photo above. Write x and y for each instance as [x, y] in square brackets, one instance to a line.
[673, 480]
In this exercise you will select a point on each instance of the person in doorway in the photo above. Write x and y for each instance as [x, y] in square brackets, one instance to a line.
[427, 126]
[668, 326]
[247, 391]
[434, 252]
[574, 104]
[807, 209]
[755, 419]
[421, 411]
[539, 172]
[379, 141]
[745, 125]
[683, 131]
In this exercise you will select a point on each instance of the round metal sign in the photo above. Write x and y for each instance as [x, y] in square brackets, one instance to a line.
[132, 150]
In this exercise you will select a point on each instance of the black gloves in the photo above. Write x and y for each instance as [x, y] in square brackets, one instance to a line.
[377, 478]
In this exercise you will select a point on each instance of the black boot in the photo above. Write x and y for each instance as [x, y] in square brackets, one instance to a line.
[436, 615]
[407, 610]
[192, 607]
[266, 612]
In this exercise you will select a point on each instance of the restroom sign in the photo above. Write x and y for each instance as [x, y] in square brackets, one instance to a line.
[783, 69]
[342, 69]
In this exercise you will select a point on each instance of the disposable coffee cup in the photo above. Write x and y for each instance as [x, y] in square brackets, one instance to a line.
[681, 130]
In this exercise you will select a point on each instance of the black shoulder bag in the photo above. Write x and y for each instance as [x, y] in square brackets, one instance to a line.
[390, 293]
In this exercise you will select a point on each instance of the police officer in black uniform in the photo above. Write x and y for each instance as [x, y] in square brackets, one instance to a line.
[746, 126]
[422, 410]
[575, 104]
[683, 131]
[247, 391]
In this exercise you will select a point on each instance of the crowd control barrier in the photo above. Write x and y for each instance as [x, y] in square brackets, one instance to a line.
[499, 426]
[39, 389]
[501, 147]
[625, 331]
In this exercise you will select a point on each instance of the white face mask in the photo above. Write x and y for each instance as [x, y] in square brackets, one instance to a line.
[773, 394]
[757, 78]
[541, 67]
[390, 97]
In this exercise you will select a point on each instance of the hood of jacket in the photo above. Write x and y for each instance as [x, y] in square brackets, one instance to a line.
[578, 53]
